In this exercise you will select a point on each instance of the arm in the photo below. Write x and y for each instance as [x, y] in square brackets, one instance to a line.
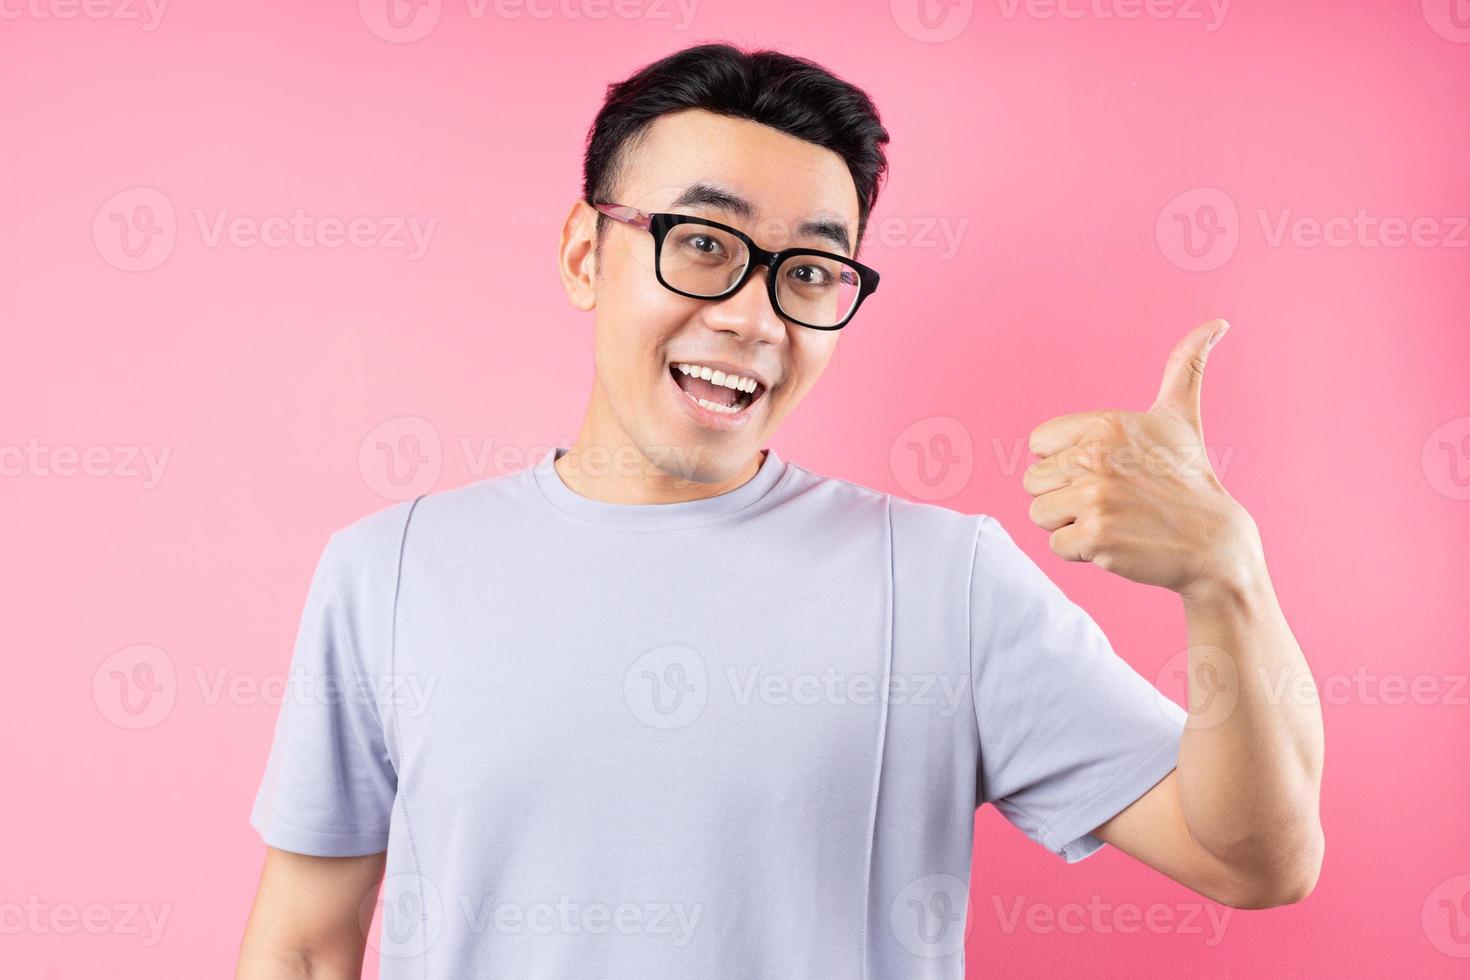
[1237, 821]
[310, 917]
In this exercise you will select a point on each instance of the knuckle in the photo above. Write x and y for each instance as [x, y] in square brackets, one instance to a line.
[1120, 426]
[1095, 456]
[1112, 424]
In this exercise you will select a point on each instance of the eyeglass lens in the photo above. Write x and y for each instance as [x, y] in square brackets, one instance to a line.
[706, 261]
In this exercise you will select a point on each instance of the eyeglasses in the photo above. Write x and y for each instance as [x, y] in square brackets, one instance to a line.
[704, 259]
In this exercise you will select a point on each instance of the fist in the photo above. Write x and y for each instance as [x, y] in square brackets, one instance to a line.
[1134, 492]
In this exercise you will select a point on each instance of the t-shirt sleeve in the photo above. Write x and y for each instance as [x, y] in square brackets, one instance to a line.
[329, 783]
[1070, 733]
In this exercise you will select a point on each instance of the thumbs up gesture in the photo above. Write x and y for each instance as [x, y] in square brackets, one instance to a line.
[1134, 492]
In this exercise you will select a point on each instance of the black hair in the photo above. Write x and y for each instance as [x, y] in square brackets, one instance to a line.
[794, 95]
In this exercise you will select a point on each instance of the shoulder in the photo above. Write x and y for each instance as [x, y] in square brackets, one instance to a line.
[839, 491]
[1007, 582]
[932, 535]
[369, 545]
[372, 545]
[929, 538]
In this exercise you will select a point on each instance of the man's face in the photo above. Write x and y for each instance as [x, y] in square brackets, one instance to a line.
[644, 331]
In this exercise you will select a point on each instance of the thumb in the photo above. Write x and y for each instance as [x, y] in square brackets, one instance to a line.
[1184, 374]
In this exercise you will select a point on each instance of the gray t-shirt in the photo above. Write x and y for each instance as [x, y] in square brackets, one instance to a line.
[736, 737]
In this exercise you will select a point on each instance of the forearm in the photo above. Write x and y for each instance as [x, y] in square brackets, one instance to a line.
[258, 963]
[1250, 763]
[306, 922]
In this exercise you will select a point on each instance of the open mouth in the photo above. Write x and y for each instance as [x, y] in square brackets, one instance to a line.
[714, 390]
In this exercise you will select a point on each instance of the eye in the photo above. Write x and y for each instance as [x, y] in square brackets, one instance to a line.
[811, 275]
[704, 243]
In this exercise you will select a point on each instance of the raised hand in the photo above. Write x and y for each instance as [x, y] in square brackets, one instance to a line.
[1134, 492]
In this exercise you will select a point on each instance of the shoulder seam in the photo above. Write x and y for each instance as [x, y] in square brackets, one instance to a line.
[393, 609]
[970, 651]
[869, 491]
[402, 795]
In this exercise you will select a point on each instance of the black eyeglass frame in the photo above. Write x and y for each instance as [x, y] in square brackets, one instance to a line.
[659, 223]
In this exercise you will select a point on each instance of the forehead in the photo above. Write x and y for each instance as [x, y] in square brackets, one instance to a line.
[786, 180]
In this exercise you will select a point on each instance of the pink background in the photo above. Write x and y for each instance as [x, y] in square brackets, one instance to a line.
[1054, 149]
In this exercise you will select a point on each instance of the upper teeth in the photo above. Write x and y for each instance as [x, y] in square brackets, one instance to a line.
[718, 377]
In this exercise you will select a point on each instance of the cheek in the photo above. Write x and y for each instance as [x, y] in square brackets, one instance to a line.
[811, 352]
[629, 286]
[634, 322]
[640, 303]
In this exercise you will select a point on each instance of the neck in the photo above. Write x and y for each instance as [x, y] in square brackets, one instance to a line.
[605, 464]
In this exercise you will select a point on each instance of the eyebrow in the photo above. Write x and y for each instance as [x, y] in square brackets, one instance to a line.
[701, 194]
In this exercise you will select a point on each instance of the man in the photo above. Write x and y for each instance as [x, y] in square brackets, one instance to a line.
[666, 704]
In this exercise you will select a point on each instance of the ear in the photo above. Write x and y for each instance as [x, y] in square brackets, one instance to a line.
[575, 258]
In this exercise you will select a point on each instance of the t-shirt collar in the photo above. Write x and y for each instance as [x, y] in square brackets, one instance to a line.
[656, 517]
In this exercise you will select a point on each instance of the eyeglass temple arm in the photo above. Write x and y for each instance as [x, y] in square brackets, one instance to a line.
[621, 212]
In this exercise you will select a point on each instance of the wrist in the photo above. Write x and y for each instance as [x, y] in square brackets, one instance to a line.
[1237, 594]
[1237, 583]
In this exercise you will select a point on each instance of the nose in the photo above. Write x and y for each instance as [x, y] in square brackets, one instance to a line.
[747, 312]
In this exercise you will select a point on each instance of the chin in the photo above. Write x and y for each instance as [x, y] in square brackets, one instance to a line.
[693, 453]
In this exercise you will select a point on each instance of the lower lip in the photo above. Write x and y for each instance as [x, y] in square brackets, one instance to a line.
[705, 417]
